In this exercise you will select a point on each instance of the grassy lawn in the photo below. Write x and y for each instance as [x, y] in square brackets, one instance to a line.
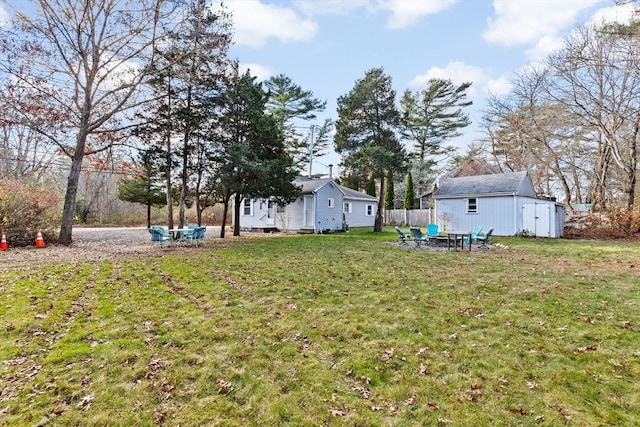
[342, 329]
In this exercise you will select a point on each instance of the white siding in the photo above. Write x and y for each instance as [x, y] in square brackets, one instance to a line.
[503, 214]
[328, 218]
[496, 212]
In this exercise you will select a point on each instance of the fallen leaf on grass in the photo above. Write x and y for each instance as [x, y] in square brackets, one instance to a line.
[422, 370]
[615, 363]
[410, 400]
[433, 405]
[560, 410]
[335, 412]
[587, 348]
[627, 325]
[518, 411]
[85, 402]
[532, 384]
[424, 349]
[225, 386]
[388, 352]
[376, 408]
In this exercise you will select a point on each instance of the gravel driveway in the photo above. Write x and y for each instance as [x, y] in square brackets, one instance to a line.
[90, 244]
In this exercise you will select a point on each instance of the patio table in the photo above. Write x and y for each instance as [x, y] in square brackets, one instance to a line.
[458, 235]
[179, 233]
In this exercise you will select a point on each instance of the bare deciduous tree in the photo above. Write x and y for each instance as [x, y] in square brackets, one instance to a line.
[87, 56]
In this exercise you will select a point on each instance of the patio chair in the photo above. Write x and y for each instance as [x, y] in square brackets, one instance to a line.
[432, 230]
[159, 235]
[417, 236]
[484, 238]
[402, 236]
[194, 235]
[473, 238]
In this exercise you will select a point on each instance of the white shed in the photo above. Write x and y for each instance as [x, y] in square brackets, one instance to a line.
[506, 202]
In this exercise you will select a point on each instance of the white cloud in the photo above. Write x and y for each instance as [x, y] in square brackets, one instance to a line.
[255, 23]
[499, 87]
[259, 71]
[456, 71]
[333, 7]
[621, 14]
[405, 13]
[544, 46]
[519, 22]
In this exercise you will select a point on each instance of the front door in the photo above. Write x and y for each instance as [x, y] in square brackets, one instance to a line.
[308, 211]
[271, 212]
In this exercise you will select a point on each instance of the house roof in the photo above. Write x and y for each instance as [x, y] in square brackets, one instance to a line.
[510, 183]
[311, 185]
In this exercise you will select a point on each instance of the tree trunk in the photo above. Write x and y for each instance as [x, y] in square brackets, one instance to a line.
[225, 211]
[68, 213]
[377, 227]
[236, 214]
[148, 215]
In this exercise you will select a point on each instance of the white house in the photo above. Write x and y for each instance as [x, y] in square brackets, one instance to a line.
[322, 206]
[506, 202]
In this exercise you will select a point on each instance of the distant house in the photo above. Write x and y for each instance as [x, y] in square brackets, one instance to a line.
[505, 201]
[322, 206]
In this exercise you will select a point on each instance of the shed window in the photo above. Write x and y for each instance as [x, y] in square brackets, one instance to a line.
[347, 207]
[332, 203]
[472, 205]
[369, 211]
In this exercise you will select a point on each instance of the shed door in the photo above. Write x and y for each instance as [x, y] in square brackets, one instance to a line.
[536, 219]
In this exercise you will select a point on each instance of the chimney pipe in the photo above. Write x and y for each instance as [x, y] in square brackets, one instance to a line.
[330, 171]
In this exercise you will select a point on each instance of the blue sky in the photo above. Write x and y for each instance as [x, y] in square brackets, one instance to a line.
[326, 45]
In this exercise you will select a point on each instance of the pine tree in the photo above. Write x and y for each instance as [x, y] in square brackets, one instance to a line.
[409, 193]
[371, 187]
[366, 130]
[389, 196]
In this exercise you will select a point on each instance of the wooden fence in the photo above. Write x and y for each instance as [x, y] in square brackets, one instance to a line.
[408, 217]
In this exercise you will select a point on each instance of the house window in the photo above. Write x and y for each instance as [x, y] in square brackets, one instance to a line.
[247, 207]
[369, 211]
[472, 205]
[347, 208]
[332, 202]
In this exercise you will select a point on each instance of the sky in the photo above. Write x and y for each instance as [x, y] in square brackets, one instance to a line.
[325, 46]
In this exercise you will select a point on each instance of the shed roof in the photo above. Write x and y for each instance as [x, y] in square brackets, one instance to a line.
[510, 183]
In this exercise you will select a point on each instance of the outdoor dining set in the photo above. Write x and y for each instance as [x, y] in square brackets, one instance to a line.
[191, 235]
[453, 239]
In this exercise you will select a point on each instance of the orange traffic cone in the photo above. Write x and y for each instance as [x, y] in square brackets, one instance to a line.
[3, 242]
[39, 240]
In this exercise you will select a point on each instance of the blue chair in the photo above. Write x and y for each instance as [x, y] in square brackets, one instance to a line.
[195, 235]
[474, 234]
[402, 236]
[484, 238]
[417, 236]
[159, 235]
[432, 230]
